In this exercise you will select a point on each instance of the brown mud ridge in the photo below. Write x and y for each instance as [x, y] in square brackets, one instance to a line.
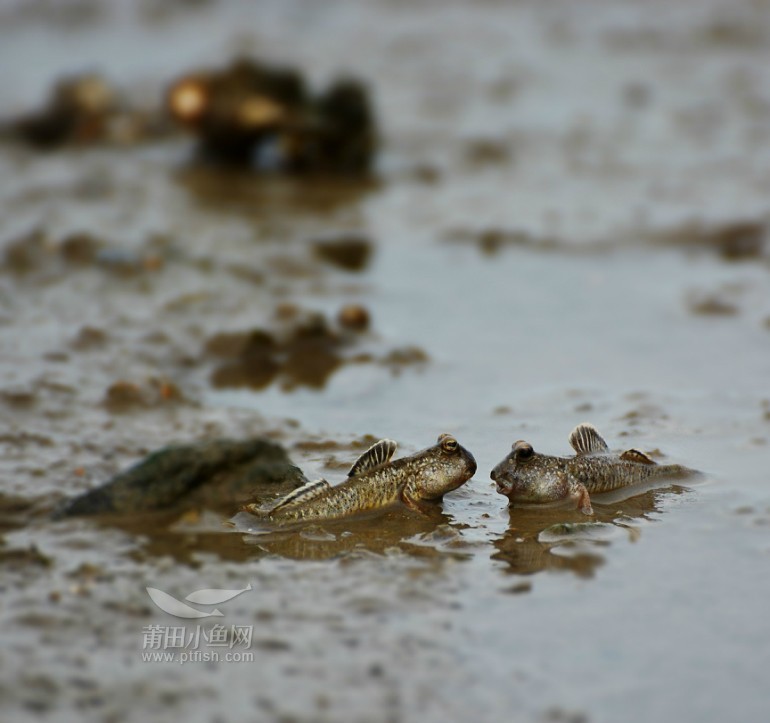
[302, 349]
[35, 254]
[348, 252]
[255, 114]
[736, 240]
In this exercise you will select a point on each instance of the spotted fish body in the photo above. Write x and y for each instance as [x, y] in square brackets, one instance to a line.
[529, 477]
[375, 482]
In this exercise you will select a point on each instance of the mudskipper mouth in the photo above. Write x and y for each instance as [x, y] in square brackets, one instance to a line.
[500, 486]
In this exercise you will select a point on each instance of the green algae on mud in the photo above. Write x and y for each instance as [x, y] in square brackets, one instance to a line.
[223, 473]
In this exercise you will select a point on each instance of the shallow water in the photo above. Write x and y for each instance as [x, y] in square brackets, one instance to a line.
[594, 142]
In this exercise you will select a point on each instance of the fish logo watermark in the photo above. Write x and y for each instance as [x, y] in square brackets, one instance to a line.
[210, 642]
[206, 597]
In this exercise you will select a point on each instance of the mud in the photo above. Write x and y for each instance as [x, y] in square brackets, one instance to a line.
[611, 159]
[733, 241]
[351, 253]
[303, 350]
[224, 472]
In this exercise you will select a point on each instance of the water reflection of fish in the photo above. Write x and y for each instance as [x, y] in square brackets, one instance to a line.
[433, 536]
[540, 538]
[530, 477]
[375, 482]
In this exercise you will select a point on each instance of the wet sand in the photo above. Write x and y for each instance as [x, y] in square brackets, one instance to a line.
[552, 240]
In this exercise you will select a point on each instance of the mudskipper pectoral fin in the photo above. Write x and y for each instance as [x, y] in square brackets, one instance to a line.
[634, 455]
[586, 440]
[378, 454]
[583, 499]
[416, 505]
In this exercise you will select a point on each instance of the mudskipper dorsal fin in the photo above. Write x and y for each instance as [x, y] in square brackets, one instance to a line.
[303, 494]
[634, 455]
[378, 454]
[586, 440]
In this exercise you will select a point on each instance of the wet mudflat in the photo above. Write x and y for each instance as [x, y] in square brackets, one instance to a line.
[566, 222]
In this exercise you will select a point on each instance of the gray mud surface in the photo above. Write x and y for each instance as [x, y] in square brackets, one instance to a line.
[567, 222]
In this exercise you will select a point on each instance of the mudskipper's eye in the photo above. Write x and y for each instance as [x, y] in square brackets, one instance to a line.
[449, 444]
[522, 450]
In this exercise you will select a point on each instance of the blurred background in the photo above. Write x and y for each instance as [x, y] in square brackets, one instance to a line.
[327, 222]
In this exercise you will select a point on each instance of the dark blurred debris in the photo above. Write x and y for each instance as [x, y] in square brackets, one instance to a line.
[711, 304]
[309, 446]
[636, 95]
[15, 512]
[733, 240]
[264, 116]
[642, 413]
[83, 110]
[125, 262]
[75, 112]
[304, 352]
[221, 473]
[20, 558]
[79, 248]
[342, 136]
[425, 173]
[487, 152]
[35, 252]
[89, 337]
[234, 110]
[23, 254]
[271, 203]
[349, 252]
[353, 317]
[18, 396]
[318, 447]
[302, 349]
[741, 240]
[733, 31]
[69, 15]
[404, 357]
[559, 715]
[492, 240]
[123, 396]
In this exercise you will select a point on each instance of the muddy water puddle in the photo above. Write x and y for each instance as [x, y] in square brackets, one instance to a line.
[567, 222]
